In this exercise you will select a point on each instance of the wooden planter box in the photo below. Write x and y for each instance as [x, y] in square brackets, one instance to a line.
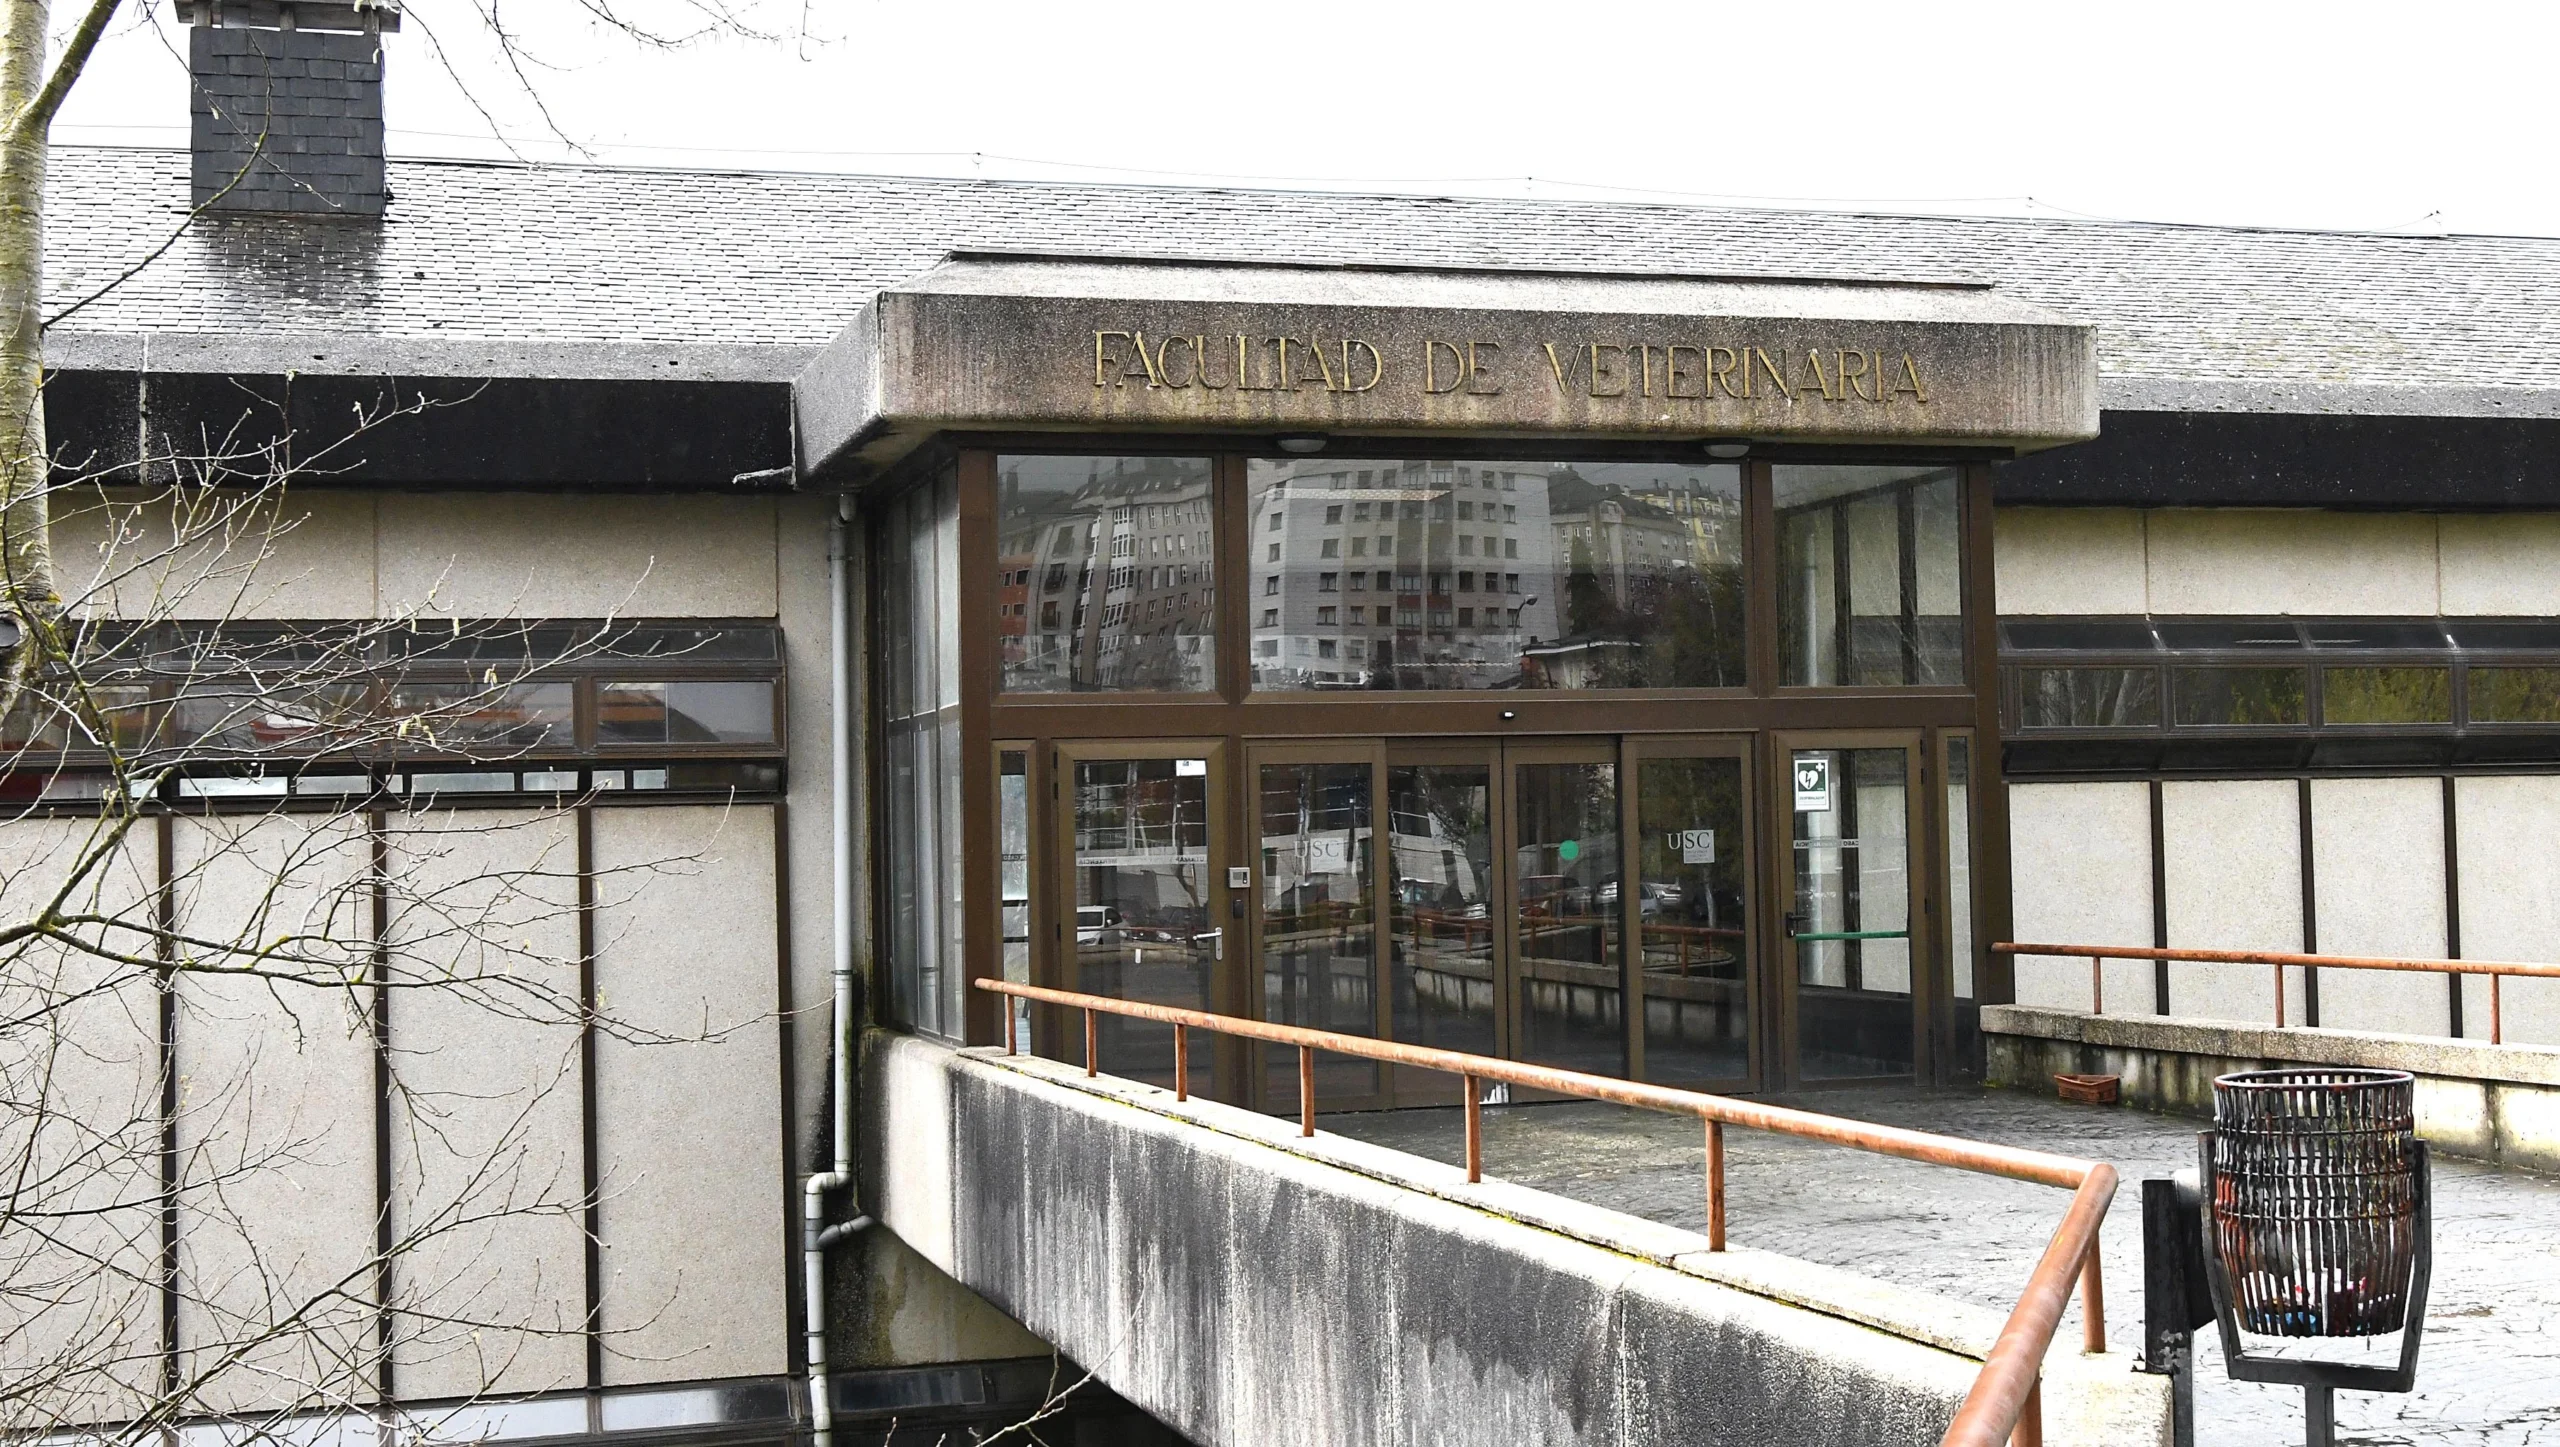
[2087, 1089]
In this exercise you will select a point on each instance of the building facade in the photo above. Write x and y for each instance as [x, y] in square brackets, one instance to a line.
[1670, 643]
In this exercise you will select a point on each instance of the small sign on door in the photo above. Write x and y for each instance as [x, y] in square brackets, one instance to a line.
[1696, 846]
[1813, 784]
[1329, 854]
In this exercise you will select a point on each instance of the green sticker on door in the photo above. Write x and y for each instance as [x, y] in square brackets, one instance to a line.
[1569, 851]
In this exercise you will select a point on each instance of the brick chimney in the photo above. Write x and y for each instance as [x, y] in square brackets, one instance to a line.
[288, 104]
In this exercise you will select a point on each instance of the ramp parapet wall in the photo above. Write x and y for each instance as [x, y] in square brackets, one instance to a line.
[1244, 1285]
[2497, 1103]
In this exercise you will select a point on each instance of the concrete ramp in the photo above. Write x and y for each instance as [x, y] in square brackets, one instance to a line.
[1253, 1289]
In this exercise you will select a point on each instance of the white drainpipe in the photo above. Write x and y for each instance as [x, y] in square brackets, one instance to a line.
[815, 1234]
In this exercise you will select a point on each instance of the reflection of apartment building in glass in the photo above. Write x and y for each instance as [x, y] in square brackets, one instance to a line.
[1116, 588]
[1415, 574]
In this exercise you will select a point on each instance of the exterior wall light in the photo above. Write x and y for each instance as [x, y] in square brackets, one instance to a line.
[1300, 444]
[1726, 449]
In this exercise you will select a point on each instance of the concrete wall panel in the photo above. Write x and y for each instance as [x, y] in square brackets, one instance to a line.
[2080, 872]
[2070, 560]
[490, 555]
[2377, 853]
[688, 1094]
[300, 554]
[2510, 891]
[1243, 1295]
[276, 1112]
[2245, 560]
[2232, 852]
[2501, 563]
[487, 1109]
[79, 1138]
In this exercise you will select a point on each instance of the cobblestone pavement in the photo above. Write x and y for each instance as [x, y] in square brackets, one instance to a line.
[2489, 1370]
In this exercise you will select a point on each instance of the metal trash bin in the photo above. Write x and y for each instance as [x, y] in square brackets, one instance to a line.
[2315, 1202]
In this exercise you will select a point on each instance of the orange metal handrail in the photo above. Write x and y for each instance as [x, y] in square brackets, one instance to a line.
[2003, 1404]
[2098, 955]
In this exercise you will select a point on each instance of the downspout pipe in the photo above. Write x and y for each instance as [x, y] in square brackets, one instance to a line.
[816, 1235]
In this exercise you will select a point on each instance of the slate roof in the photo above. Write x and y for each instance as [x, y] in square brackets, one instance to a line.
[758, 269]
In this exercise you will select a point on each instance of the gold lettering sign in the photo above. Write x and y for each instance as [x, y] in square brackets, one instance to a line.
[1705, 371]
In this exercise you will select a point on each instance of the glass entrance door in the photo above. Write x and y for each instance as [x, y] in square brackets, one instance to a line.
[1141, 912]
[1580, 904]
[1566, 921]
[1692, 868]
[1318, 872]
[1848, 957]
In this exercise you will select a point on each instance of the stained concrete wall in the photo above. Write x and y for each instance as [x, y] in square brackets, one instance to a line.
[2490, 1102]
[1247, 1287]
[336, 554]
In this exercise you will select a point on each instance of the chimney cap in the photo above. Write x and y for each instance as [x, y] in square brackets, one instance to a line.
[366, 16]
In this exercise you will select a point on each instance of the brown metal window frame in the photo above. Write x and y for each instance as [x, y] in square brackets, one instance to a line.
[2316, 746]
[1236, 715]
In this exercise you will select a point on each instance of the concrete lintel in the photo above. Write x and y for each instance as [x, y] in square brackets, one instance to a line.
[1034, 344]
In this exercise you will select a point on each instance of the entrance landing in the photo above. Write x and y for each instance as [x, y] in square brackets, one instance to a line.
[2489, 1372]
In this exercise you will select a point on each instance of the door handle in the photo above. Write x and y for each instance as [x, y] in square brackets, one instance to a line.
[1794, 923]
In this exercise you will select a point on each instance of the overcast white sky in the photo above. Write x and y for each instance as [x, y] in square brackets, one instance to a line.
[2353, 115]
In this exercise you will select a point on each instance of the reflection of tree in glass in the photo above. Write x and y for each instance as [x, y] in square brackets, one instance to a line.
[2386, 695]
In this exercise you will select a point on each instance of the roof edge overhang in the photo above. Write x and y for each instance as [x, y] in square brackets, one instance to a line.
[1031, 343]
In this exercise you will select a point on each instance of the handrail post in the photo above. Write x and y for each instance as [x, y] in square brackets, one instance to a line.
[2030, 1431]
[1475, 1128]
[2097, 984]
[2279, 997]
[1181, 1062]
[1715, 1185]
[2093, 1304]
[1092, 1053]
[1306, 1090]
[2497, 1027]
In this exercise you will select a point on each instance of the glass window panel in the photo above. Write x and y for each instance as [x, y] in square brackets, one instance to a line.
[1616, 575]
[1013, 880]
[1870, 586]
[466, 717]
[2087, 635]
[918, 572]
[2515, 695]
[1118, 590]
[2271, 633]
[1692, 906]
[1568, 926]
[1960, 866]
[1319, 921]
[685, 712]
[2242, 695]
[1142, 899]
[422, 785]
[2061, 698]
[1440, 929]
[2386, 695]
[1852, 919]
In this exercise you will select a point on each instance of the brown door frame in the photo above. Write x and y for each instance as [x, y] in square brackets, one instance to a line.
[1226, 992]
[1784, 1066]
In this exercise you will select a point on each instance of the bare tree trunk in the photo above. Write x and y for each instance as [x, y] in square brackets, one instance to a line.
[27, 588]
